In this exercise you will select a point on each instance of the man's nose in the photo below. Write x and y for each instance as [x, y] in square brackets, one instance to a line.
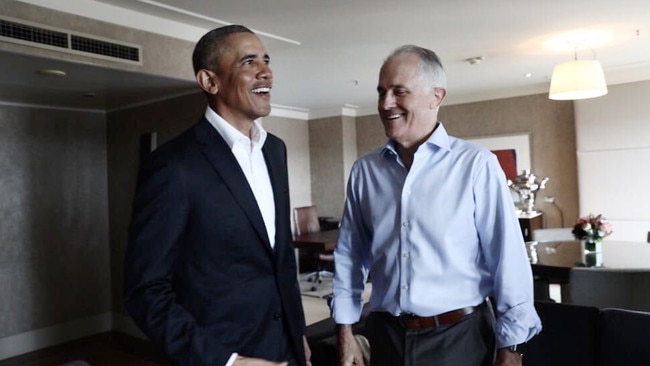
[266, 72]
[386, 101]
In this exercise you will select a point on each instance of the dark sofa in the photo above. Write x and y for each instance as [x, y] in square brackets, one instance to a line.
[573, 335]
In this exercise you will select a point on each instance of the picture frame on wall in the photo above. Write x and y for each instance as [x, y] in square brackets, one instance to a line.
[512, 151]
[508, 148]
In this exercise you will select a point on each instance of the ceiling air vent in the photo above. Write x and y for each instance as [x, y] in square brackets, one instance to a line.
[33, 34]
[110, 49]
[26, 33]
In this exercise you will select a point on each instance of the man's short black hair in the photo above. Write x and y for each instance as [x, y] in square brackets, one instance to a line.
[209, 48]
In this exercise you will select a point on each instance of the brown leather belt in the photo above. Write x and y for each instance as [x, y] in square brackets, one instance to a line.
[414, 322]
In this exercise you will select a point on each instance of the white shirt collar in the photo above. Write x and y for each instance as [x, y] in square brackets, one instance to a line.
[230, 134]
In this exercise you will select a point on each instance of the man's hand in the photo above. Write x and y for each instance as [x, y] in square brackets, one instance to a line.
[307, 351]
[507, 358]
[249, 361]
[347, 347]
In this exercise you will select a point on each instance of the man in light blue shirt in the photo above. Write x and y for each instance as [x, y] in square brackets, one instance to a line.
[430, 218]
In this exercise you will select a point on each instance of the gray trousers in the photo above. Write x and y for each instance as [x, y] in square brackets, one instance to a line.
[471, 342]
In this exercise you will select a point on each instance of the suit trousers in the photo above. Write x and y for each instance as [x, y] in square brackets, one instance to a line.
[470, 342]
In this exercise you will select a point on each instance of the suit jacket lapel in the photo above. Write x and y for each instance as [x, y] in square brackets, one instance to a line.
[275, 157]
[218, 153]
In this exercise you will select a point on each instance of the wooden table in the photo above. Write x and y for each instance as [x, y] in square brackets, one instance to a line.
[553, 260]
[308, 245]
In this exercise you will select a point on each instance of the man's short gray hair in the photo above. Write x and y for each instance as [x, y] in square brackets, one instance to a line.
[430, 65]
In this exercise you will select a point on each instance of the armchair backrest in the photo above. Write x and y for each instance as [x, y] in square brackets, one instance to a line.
[624, 337]
[610, 288]
[569, 336]
[553, 234]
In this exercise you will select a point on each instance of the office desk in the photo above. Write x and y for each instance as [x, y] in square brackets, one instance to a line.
[323, 241]
[553, 260]
[307, 245]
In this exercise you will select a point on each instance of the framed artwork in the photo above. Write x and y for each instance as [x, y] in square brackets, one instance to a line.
[513, 151]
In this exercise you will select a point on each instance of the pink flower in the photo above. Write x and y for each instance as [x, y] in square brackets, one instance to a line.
[606, 227]
[591, 227]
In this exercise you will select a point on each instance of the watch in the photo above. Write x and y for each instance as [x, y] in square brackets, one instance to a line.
[519, 349]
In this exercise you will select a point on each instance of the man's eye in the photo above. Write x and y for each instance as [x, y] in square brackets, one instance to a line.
[400, 92]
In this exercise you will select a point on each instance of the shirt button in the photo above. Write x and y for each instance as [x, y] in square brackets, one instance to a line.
[405, 287]
[277, 316]
[405, 224]
[405, 255]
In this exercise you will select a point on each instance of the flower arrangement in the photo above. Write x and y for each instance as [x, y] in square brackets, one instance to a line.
[592, 228]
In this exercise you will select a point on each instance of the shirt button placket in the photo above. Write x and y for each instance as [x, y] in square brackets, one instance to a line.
[405, 246]
[405, 256]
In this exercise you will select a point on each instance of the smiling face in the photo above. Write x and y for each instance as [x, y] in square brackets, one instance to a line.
[408, 101]
[240, 89]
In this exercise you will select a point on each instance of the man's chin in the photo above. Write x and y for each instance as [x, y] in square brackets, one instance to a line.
[260, 109]
[262, 112]
[390, 129]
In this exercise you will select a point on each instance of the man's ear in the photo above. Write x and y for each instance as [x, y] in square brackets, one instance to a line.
[438, 96]
[207, 81]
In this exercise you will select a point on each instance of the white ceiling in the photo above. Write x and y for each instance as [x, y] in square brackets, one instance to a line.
[326, 54]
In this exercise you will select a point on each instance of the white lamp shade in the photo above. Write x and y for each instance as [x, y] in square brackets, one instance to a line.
[577, 80]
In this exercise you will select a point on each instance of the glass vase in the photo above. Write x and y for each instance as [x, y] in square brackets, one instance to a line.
[592, 255]
[592, 246]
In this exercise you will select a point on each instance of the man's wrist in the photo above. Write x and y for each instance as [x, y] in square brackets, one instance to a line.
[343, 329]
[519, 349]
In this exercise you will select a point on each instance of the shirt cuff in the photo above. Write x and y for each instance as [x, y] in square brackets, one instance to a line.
[519, 324]
[346, 310]
[232, 359]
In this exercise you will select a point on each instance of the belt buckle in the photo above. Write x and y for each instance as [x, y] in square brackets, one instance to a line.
[418, 321]
[406, 316]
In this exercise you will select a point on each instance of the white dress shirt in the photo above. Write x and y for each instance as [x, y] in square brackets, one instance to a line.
[248, 152]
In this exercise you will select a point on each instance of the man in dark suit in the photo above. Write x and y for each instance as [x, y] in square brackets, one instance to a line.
[210, 272]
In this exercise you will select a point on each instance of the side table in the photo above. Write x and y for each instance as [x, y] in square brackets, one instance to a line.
[530, 222]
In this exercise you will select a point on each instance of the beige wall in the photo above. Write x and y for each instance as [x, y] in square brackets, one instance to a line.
[54, 249]
[295, 134]
[349, 137]
[614, 159]
[326, 153]
[370, 134]
[552, 139]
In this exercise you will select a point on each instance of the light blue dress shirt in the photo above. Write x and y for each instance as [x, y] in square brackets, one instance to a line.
[439, 237]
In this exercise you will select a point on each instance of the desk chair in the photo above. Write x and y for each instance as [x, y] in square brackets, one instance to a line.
[306, 221]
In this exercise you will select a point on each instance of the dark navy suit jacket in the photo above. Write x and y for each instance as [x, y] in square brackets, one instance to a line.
[201, 279]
